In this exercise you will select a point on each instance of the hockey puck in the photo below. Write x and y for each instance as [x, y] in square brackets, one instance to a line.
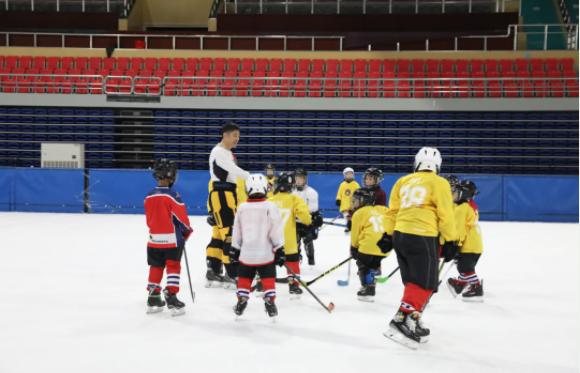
[330, 307]
[342, 283]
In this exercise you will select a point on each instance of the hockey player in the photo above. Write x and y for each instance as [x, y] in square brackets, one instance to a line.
[258, 244]
[420, 210]
[271, 177]
[345, 192]
[372, 180]
[368, 226]
[169, 228]
[470, 244]
[307, 234]
[222, 204]
[291, 207]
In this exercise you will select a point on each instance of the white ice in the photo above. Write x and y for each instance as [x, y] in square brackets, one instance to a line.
[73, 300]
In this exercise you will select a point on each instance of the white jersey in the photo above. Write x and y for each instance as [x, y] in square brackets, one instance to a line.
[310, 196]
[258, 232]
[222, 166]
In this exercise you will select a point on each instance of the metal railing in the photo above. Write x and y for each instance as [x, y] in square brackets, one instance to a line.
[441, 87]
[366, 6]
[121, 7]
[91, 41]
[172, 42]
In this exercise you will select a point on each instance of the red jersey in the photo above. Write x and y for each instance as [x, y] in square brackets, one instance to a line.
[167, 219]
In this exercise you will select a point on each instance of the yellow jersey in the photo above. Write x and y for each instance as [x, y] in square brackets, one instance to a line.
[271, 185]
[468, 231]
[344, 194]
[368, 225]
[241, 190]
[291, 207]
[421, 204]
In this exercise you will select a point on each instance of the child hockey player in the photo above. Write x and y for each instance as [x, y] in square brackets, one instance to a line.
[169, 228]
[307, 234]
[420, 211]
[372, 181]
[257, 244]
[368, 226]
[470, 244]
[271, 177]
[291, 207]
[345, 192]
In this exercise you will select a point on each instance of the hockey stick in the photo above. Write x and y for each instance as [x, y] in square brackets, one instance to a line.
[345, 282]
[328, 271]
[335, 224]
[332, 222]
[446, 272]
[328, 308]
[384, 279]
[189, 276]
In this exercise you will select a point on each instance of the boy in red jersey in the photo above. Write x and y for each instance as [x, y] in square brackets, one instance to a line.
[169, 228]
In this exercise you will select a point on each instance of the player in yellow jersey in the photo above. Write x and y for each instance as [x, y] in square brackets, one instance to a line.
[345, 192]
[271, 178]
[470, 243]
[420, 211]
[368, 226]
[291, 207]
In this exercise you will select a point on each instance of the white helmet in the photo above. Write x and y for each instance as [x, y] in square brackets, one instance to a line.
[347, 170]
[428, 159]
[256, 184]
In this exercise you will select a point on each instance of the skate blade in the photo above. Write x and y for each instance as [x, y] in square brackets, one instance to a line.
[424, 339]
[229, 286]
[213, 284]
[154, 310]
[273, 319]
[177, 312]
[259, 294]
[366, 299]
[295, 296]
[451, 290]
[396, 336]
[478, 299]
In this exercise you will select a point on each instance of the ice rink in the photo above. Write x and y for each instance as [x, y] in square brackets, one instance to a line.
[74, 301]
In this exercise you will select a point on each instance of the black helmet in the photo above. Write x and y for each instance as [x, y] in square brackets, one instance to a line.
[374, 172]
[285, 182]
[164, 169]
[300, 172]
[467, 190]
[362, 197]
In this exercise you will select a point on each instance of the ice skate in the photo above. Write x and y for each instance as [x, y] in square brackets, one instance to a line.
[455, 286]
[174, 305]
[240, 307]
[271, 308]
[213, 280]
[402, 329]
[229, 283]
[366, 293]
[294, 289]
[474, 293]
[422, 331]
[155, 303]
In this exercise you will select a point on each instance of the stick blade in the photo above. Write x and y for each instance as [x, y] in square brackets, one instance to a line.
[330, 307]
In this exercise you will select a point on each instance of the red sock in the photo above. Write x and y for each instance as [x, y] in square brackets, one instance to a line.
[269, 287]
[173, 271]
[414, 298]
[244, 286]
[155, 276]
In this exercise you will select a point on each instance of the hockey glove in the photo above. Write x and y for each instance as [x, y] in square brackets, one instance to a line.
[385, 243]
[354, 252]
[449, 251]
[337, 203]
[234, 255]
[211, 221]
[317, 220]
[280, 257]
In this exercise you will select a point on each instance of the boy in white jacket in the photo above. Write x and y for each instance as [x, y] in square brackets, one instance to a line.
[258, 244]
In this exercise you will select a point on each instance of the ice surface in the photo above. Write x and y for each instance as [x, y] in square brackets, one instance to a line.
[73, 300]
